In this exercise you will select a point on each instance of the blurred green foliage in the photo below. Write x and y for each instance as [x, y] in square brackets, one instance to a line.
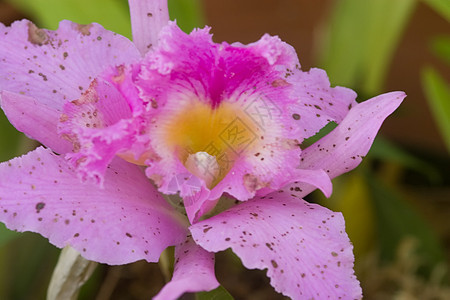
[387, 151]
[438, 95]
[48, 13]
[218, 294]
[360, 41]
[6, 235]
[9, 138]
[397, 220]
[441, 6]
[187, 13]
[436, 89]
[441, 47]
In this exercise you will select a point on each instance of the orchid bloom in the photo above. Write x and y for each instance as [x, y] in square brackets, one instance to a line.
[124, 124]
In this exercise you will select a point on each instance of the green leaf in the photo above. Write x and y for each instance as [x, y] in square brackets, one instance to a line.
[9, 138]
[6, 235]
[187, 13]
[440, 6]
[31, 261]
[341, 51]
[397, 220]
[437, 92]
[387, 21]
[361, 40]
[441, 47]
[112, 14]
[218, 294]
[387, 151]
[322, 132]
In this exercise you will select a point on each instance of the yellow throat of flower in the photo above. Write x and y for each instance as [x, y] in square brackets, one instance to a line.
[209, 140]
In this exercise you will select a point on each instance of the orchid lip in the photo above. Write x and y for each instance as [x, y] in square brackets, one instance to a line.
[208, 140]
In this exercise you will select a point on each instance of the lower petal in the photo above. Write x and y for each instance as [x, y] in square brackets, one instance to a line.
[194, 272]
[304, 246]
[126, 221]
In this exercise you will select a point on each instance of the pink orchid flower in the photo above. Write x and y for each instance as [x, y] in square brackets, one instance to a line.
[204, 121]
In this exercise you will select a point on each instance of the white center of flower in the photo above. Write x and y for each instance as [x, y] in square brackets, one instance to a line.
[204, 166]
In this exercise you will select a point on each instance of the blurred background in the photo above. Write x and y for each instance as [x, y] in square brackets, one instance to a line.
[396, 203]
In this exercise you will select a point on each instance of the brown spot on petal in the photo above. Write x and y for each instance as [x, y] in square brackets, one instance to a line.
[81, 160]
[274, 263]
[39, 207]
[36, 35]
[120, 77]
[44, 77]
[252, 183]
[84, 29]
[289, 144]
[207, 229]
[280, 82]
[63, 118]
[154, 103]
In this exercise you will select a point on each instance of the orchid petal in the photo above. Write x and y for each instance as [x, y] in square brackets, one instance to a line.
[304, 246]
[126, 221]
[99, 125]
[317, 178]
[148, 17]
[318, 103]
[26, 114]
[197, 204]
[194, 272]
[343, 149]
[54, 67]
